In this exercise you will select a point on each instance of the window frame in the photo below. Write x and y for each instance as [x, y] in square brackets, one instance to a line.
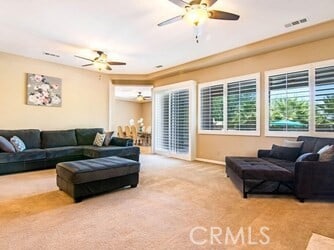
[225, 83]
[311, 67]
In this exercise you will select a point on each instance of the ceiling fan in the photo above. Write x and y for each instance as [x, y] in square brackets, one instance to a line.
[100, 61]
[141, 98]
[197, 11]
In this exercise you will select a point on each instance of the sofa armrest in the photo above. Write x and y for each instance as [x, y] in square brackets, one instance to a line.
[124, 142]
[263, 153]
[314, 178]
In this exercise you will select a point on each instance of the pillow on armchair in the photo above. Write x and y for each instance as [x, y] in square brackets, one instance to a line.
[284, 153]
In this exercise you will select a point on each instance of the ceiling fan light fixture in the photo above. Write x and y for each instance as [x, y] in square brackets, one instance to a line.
[196, 14]
[99, 65]
[140, 97]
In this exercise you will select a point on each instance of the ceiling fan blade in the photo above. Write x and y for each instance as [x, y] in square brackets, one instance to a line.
[84, 58]
[209, 3]
[195, 2]
[116, 63]
[108, 67]
[180, 3]
[89, 64]
[172, 20]
[216, 14]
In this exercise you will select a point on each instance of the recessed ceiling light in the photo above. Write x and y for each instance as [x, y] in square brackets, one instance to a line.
[159, 66]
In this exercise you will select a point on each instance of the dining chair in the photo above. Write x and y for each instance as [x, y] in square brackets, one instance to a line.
[120, 132]
[128, 132]
[134, 134]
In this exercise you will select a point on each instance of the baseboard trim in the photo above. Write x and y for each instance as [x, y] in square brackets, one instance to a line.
[211, 161]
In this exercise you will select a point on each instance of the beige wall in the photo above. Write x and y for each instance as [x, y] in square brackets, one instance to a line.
[85, 97]
[216, 147]
[124, 111]
[147, 113]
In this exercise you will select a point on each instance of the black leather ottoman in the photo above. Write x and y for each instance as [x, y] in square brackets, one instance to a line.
[256, 176]
[85, 178]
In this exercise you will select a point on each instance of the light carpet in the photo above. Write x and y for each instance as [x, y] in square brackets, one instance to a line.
[173, 197]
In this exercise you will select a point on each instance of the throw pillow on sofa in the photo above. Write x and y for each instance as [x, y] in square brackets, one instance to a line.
[326, 153]
[6, 146]
[108, 138]
[292, 144]
[99, 139]
[284, 153]
[308, 157]
[18, 144]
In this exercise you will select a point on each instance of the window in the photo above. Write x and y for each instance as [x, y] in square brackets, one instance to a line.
[230, 106]
[289, 95]
[324, 99]
[241, 105]
[174, 122]
[212, 107]
[300, 100]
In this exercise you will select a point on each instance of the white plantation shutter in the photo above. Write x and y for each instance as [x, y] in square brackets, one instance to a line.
[230, 106]
[212, 107]
[174, 113]
[324, 99]
[242, 105]
[162, 119]
[179, 121]
[289, 106]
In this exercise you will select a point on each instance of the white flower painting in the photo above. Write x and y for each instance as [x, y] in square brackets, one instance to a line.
[43, 91]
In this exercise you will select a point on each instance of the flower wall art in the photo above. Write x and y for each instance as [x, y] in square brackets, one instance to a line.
[43, 91]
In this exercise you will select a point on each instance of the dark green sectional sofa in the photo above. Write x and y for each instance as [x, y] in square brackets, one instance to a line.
[44, 149]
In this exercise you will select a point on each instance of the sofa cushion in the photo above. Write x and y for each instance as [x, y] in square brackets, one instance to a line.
[287, 165]
[58, 138]
[59, 152]
[258, 169]
[117, 141]
[98, 152]
[321, 142]
[308, 145]
[284, 153]
[84, 171]
[27, 155]
[31, 137]
[18, 144]
[86, 136]
[6, 146]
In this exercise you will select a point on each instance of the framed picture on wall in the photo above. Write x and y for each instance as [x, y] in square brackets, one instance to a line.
[44, 90]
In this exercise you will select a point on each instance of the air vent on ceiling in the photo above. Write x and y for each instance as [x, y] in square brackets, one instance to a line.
[288, 25]
[159, 66]
[50, 54]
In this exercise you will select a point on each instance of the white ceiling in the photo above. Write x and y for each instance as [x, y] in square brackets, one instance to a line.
[127, 30]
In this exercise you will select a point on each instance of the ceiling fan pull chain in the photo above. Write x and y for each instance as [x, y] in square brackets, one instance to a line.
[197, 33]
